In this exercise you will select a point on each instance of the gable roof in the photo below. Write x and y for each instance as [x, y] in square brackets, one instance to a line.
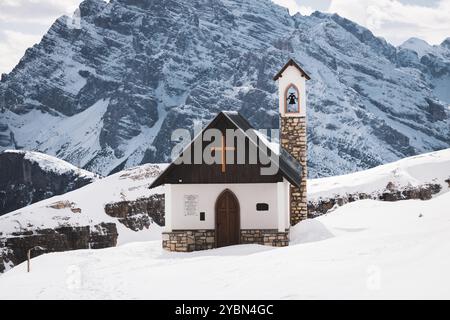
[288, 166]
[291, 62]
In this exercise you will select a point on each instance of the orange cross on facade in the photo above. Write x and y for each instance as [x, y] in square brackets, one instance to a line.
[223, 149]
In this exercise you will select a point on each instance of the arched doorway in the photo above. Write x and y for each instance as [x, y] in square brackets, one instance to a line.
[227, 219]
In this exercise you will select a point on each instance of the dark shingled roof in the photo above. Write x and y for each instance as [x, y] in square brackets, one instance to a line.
[289, 167]
[291, 62]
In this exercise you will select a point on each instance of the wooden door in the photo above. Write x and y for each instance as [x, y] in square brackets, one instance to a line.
[227, 219]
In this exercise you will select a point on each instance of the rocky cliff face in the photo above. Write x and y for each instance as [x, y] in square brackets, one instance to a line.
[112, 86]
[29, 177]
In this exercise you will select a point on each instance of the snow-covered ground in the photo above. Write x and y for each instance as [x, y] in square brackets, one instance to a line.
[366, 249]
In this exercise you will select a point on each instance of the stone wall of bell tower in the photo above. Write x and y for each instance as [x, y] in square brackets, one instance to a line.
[292, 107]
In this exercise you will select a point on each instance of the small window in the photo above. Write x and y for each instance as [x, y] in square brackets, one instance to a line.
[202, 216]
[262, 207]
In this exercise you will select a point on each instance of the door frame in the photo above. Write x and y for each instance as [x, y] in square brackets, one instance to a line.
[238, 214]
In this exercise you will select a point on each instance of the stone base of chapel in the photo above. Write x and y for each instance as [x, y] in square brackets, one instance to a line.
[195, 240]
[189, 240]
[267, 237]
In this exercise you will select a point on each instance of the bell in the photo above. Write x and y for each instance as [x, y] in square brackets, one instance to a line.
[292, 98]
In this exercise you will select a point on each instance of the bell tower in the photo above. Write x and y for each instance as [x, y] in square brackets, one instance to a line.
[292, 107]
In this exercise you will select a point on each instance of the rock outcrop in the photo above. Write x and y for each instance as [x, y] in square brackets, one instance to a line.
[140, 213]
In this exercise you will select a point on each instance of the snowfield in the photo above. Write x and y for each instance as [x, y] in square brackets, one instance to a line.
[366, 249]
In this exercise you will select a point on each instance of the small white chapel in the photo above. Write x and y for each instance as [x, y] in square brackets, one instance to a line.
[233, 200]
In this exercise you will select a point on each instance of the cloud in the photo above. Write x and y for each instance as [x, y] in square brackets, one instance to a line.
[24, 22]
[397, 21]
[306, 10]
[11, 43]
[42, 11]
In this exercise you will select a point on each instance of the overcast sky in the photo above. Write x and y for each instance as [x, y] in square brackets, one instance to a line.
[24, 22]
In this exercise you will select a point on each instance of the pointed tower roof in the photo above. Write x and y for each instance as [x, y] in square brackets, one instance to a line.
[291, 62]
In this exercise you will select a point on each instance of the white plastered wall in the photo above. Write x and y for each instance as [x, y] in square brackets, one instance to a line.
[248, 195]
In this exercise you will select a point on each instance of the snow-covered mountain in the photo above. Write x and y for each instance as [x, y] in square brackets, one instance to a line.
[106, 91]
[27, 177]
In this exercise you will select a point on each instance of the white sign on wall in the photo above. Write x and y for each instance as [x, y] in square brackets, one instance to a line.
[191, 204]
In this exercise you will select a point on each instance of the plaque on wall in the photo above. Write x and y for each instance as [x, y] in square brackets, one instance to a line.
[190, 204]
